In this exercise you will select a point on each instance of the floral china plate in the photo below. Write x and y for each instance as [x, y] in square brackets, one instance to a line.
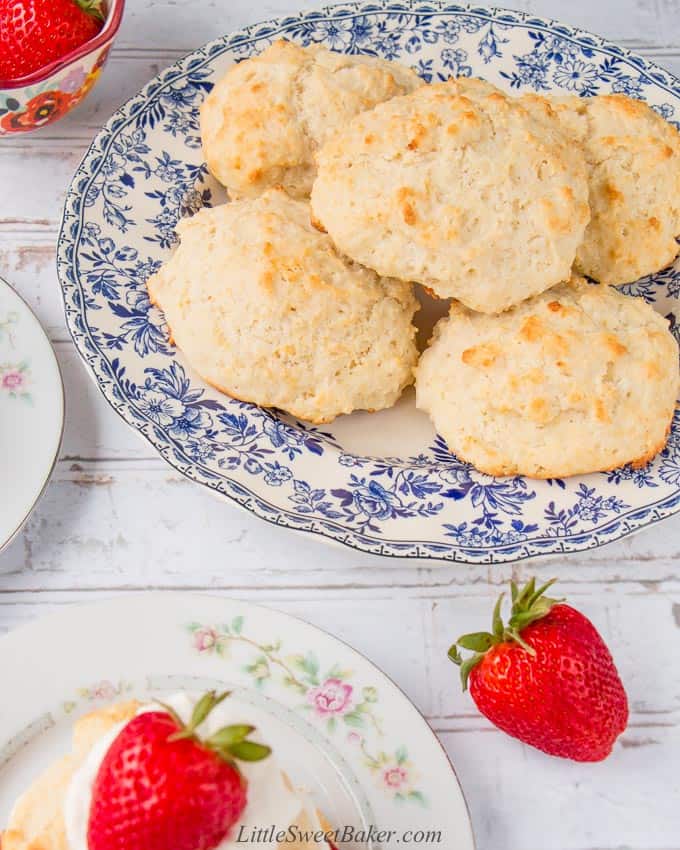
[340, 728]
[382, 483]
[31, 412]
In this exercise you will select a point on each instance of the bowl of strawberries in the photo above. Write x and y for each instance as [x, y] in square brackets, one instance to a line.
[51, 55]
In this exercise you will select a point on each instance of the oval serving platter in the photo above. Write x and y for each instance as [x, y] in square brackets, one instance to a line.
[382, 483]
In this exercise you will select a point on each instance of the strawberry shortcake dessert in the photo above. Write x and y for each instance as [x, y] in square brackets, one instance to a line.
[186, 774]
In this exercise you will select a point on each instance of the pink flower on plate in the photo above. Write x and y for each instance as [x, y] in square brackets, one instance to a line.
[354, 738]
[395, 776]
[13, 381]
[333, 697]
[205, 639]
[103, 690]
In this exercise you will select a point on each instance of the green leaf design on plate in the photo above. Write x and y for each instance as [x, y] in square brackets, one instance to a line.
[355, 719]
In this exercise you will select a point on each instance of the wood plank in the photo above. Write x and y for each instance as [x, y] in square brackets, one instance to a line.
[522, 800]
[93, 429]
[28, 262]
[110, 523]
[56, 164]
[636, 628]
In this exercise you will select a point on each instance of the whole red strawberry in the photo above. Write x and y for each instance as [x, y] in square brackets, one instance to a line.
[546, 678]
[160, 787]
[34, 33]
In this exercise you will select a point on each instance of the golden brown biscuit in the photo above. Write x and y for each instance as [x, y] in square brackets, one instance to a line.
[37, 821]
[578, 379]
[263, 122]
[633, 158]
[458, 187]
[266, 310]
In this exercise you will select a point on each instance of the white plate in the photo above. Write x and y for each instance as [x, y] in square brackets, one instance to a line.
[340, 727]
[31, 412]
[382, 483]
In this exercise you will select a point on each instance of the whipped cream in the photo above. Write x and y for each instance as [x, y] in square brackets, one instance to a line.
[270, 799]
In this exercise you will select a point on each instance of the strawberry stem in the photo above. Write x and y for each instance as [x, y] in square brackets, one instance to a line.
[528, 605]
[230, 742]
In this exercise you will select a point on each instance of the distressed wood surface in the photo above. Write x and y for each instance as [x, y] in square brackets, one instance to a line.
[117, 520]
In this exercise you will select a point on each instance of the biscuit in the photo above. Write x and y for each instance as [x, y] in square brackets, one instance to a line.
[266, 310]
[263, 122]
[633, 158]
[37, 821]
[458, 187]
[578, 379]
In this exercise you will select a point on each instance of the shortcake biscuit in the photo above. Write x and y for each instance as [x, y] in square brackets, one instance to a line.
[458, 187]
[578, 379]
[265, 309]
[263, 122]
[633, 158]
[37, 822]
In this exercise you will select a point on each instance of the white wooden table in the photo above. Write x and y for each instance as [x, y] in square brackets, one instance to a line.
[117, 520]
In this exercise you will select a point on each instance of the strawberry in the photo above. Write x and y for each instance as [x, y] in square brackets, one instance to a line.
[34, 33]
[546, 678]
[159, 786]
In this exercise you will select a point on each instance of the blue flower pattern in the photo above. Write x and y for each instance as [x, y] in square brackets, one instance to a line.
[145, 171]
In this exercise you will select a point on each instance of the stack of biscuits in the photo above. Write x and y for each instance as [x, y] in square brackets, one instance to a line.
[352, 181]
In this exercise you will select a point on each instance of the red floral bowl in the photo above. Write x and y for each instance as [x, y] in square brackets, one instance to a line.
[49, 93]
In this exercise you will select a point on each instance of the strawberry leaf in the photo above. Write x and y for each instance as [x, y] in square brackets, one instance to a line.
[467, 666]
[171, 711]
[541, 591]
[204, 707]
[520, 621]
[518, 639]
[229, 743]
[529, 604]
[525, 593]
[497, 619]
[454, 655]
[477, 641]
[249, 751]
[229, 735]
[92, 7]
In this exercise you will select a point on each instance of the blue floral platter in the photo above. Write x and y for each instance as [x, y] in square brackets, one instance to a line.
[383, 483]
